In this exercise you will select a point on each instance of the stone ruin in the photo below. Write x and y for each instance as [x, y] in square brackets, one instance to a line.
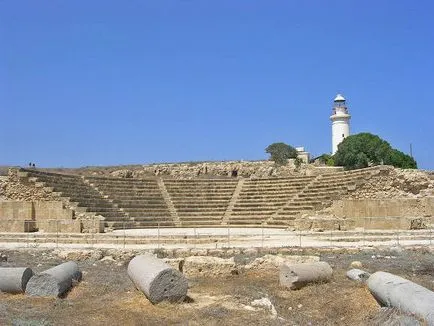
[311, 199]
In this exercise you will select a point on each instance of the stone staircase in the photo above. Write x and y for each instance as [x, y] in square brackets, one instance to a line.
[260, 198]
[201, 202]
[140, 199]
[80, 195]
[154, 202]
[320, 194]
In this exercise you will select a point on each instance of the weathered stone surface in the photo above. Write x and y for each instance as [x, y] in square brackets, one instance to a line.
[356, 264]
[298, 275]
[394, 291]
[14, 279]
[78, 254]
[276, 261]
[209, 266]
[358, 275]
[11, 188]
[266, 304]
[55, 281]
[393, 317]
[157, 280]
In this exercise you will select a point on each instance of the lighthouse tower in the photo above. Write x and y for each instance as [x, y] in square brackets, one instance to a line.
[340, 122]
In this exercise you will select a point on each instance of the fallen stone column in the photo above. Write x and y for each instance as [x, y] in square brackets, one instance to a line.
[14, 279]
[358, 275]
[398, 292]
[298, 275]
[55, 281]
[156, 279]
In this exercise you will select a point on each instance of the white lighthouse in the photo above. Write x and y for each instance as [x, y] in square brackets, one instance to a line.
[340, 122]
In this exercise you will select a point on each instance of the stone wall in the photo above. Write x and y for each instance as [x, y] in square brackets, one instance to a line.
[44, 216]
[12, 188]
[225, 169]
[387, 213]
[397, 183]
[247, 169]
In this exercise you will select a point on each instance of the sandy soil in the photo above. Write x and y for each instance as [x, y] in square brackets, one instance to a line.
[106, 296]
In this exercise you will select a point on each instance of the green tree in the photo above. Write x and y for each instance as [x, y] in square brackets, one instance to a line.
[401, 160]
[281, 152]
[326, 159]
[365, 149]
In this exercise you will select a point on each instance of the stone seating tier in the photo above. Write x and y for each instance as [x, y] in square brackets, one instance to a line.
[207, 202]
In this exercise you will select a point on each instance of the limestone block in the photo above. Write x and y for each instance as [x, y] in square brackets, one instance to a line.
[19, 210]
[358, 275]
[55, 281]
[296, 276]
[398, 292]
[59, 226]
[14, 279]
[93, 225]
[51, 210]
[209, 266]
[157, 280]
[17, 226]
[276, 261]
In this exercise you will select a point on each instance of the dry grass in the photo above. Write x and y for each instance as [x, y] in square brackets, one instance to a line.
[107, 297]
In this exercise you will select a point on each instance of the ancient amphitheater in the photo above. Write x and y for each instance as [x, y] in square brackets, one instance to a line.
[232, 234]
[202, 196]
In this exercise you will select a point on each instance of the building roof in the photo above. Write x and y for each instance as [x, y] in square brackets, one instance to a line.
[339, 98]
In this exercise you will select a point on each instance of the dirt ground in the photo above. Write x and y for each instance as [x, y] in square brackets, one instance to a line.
[106, 296]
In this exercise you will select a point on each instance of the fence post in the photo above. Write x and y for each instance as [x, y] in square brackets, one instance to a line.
[397, 237]
[364, 230]
[28, 239]
[331, 238]
[229, 237]
[92, 233]
[195, 237]
[299, 235]
[57, 234]
[158, 236]
[124, 233]
[262, 236]
[430, 234]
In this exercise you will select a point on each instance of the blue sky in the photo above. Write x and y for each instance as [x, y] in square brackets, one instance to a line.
[131, 82]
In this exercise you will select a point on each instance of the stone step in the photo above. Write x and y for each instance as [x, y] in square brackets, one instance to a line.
[103, 179]
[108, 214]
[274, 187]
[141, 202]
[87, 202]
[121, 197]
[202, 213]
[199, 218]
[203, 203]
[269, 191]
[138, 208]
[250, 213]
[150, 218]
[200, 181]
[126, 189]
[155, 213]
[101, 209]
[186, 201]
[259, 203]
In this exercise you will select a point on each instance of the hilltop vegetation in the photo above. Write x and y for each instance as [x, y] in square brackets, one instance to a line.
[365, 149]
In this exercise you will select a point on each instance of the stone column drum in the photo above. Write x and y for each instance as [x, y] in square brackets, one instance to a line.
[156, 279]
[398, 292]
[55, 281]
[298, 275]
[14, 279]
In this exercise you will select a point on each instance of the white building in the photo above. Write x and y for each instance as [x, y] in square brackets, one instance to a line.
[340, 122]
